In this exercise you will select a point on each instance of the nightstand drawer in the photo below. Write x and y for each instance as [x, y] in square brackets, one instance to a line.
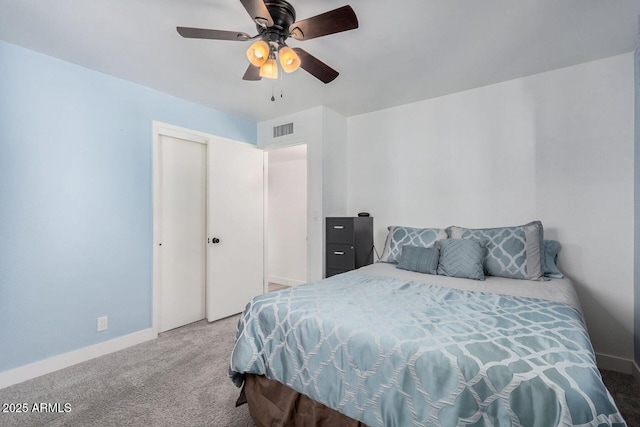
[340, 230]
[340, 257]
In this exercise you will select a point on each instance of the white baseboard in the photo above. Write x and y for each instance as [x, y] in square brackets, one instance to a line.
[284, 281]
[615, 363]
[46, 366]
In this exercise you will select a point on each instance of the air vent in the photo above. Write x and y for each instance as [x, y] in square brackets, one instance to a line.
[282, 130]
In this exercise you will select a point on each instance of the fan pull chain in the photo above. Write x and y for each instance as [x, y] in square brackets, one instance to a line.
[281, 79]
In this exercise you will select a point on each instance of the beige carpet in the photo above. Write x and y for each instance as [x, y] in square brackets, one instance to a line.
[276, 287]
[179, 379]
[626, 393]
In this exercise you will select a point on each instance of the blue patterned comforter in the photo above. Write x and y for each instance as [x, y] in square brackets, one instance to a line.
[389, 352]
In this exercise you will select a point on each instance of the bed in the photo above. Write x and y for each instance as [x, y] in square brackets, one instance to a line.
[384, 346]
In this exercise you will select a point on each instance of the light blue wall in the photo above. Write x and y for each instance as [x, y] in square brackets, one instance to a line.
[75, 201]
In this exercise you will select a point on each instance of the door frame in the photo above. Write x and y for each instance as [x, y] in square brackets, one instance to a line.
[267, 149]
[160, 129]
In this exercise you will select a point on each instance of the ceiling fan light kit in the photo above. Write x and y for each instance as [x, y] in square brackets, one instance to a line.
[289, 59]
[258, 53]
[270, 68]
[276, 22]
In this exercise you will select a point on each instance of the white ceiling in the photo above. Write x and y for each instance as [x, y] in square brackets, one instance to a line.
[403, 51]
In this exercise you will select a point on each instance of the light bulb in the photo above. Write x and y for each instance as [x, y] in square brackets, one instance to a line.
[258, 53]
[269, 69]
[289, 59]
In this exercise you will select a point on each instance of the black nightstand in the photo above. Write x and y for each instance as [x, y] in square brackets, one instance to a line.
[349, 244]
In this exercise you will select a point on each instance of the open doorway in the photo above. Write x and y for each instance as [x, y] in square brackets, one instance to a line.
[286, 262]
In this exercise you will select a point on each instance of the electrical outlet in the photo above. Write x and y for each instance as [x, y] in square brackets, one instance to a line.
[102, 323]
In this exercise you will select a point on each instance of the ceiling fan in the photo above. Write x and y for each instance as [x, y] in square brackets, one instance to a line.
[276, 22]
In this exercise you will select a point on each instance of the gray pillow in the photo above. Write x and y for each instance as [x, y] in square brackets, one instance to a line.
[514, 252]
[461, 258]
[402, 236]
[551, 249]
[422, 260]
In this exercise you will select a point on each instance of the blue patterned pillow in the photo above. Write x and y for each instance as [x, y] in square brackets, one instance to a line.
[514, 252]
[551, 249]
[461, 258]
[422, 260]
[402, 236]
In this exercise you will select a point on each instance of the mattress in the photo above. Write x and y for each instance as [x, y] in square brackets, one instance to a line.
[389, 347]
[557, 290]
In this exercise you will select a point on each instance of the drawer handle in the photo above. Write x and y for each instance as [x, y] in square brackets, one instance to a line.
[338, 253]
[338, 227]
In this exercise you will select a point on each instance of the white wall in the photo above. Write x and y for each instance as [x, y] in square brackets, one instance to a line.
[334, 164]
[584, 119]
[556, 146]
[287, 216]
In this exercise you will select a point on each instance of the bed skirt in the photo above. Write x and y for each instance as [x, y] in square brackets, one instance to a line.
[272, 403]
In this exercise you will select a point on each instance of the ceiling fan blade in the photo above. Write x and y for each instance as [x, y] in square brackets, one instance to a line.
[258, 12]
[252, 73]
[201, 33]
[334, 21]
[315, 67]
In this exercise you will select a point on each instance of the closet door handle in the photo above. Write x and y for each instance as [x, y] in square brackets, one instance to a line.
[338, 227]
[215, 240]
[338, 253]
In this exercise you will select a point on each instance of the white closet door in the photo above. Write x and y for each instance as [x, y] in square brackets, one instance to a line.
[183, 174]
[236, 262]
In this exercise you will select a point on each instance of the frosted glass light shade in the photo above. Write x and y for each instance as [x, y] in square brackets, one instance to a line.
[258, 53]
[289, 59]
[269, 69]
